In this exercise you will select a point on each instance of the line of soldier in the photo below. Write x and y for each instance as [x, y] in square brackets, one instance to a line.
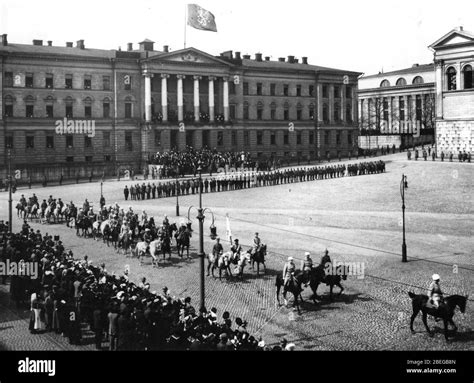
[462, 156]
[238, 181]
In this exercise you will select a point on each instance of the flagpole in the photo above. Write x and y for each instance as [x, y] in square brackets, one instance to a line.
[185, 23]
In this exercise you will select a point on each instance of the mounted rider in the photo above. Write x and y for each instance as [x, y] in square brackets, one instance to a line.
[288, 272]
[236, 248]
[325, 259]
[86, 206]
[257, 243]
[434, 291]
[306, 266]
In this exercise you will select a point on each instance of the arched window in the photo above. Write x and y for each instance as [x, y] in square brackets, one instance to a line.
[401, 82]
[467, 75]
[451, 78]
[384, 83]
[325, 113]
[418, 80]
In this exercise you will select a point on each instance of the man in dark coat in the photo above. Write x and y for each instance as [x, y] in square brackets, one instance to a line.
[126, 192]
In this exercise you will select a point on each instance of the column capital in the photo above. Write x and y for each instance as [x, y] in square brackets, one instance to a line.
[147, 74]
[212, 78]
[225, 78]
[197, 77]
[180, 76]
[164, 75]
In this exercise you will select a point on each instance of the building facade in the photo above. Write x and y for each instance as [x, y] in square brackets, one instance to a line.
[454, 61]
[141, 101]
[398, 107]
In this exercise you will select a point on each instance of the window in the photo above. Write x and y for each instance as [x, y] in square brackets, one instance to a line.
[467, 75]
[69, 113]
[107, 158]
[69, 159]
[49, 81]
[68, 81]
[8, 79]
[232, 111]
[349, 138]
[325, 91]
[348, 113]
[128, 110]
[246, 88]
[418, 80]
[298, 138]
[384, 83]
[220, 138]
[106, 139]
[311, 138]
[338, 138]
[106, 82]
[246, 138]
[49, 111]
[29, 110]
[49, 142]
[87, 111]
[30, 142]
[418, 114]
[325, 113]
[286, 138]
[29, 80]
[259, 138]
[128, 141]
[401, 108]
[259, 88]
[348, 92]
[311, 90]
[451, 78]
[298, 90]
[106, 109]
[285, 90]
[286, 114]
[272, 89]
[260, 111]
[311, 112]
[326, 137]
[8, 110]
[234, 138]
[88, 158]
[337, 112]
[337, 92]
[87, 142]
[272, 138]
[299, 114]
[9, 142]
[87, 82]
[246, 110]
[69, 141]
[273, 111]
[401, 82]
[385, 110]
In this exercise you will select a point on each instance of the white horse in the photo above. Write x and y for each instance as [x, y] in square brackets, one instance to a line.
[32, 211]
[46, 216]
[222, 262]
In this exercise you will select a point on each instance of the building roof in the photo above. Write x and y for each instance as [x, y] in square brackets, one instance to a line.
[56, 50]
[413, 69]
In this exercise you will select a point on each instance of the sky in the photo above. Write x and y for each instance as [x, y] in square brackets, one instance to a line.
[359, 35]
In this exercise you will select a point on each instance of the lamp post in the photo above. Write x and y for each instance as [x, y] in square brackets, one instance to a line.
[10, 207]
[177, 199]
[403, 186]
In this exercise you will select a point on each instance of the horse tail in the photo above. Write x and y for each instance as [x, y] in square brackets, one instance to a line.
[412, 295]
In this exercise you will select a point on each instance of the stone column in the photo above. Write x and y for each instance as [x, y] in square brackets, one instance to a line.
[226, 98]
[331, 103]
[148, 77]
[405, 119]
[211, 98]
[389, 127]
[361, 113]
[180, 78]
[343, 104]
[459, 84]
[196, 97]
[164, 96]
[439, 78]
[319, 98]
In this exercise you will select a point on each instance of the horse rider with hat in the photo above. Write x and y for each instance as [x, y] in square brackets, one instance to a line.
[325, 258]
[217, 249]
[236, 248]
[434, 291]
[306, 266]
[256, 244]
[288, 271]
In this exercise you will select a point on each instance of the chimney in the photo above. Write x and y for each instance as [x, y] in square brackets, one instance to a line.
[120, 49]
[281, 59]
[69, 44]
[304, 60]
[461, 28]
[50, 43]
[166, 48]
[130, 47]
[258, 57]
[415, 65]
[80, 44]
[237, 56]
[247, 57]
[295, 61]
[4, 39]
[267, 58]
[291, 59]
[146, 45]
[227, 54]
[38, 42]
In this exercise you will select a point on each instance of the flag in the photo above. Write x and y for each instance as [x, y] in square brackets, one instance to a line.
[201, 18]
[228, 231]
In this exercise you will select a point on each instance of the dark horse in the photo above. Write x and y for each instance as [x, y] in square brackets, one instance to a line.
[319, 275]
[182, 241]
[445, 311]
[293, 287]
[84, 224]
[259, 258]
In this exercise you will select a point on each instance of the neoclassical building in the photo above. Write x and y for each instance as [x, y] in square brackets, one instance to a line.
[145, 100]
[454, 62]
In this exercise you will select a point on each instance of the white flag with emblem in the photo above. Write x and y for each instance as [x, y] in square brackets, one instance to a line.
[228, 231]
[201, 18]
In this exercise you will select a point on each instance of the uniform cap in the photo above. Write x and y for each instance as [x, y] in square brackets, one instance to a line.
[290, 258]
[435, 277]
[307, 254]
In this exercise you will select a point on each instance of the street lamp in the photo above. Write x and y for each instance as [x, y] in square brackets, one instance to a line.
[177, 192]
[10, 207]
[403, 186]
[201, 254]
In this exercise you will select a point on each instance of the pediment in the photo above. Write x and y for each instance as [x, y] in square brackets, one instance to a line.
[454, 37]
[189, 55]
